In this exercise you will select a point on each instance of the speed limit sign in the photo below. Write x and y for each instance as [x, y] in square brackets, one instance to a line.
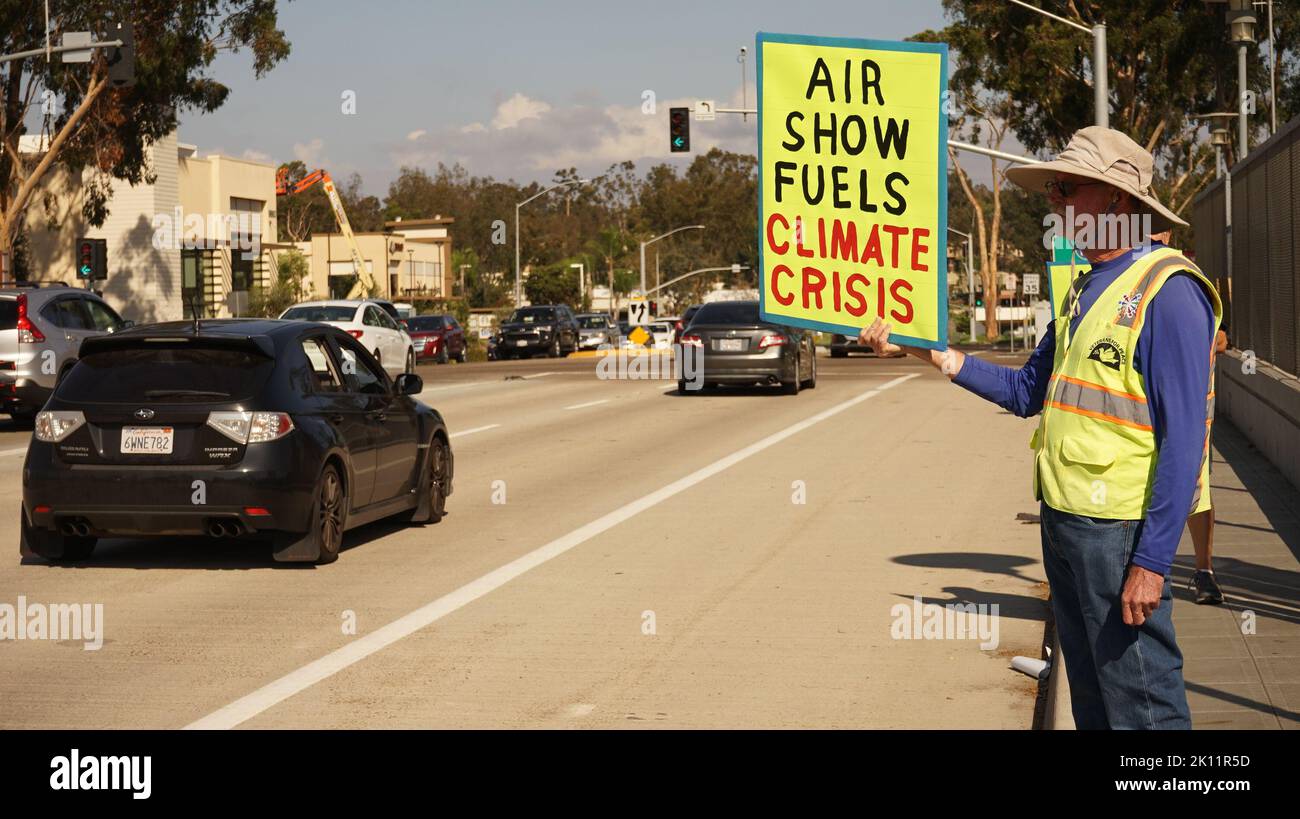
[638, 311]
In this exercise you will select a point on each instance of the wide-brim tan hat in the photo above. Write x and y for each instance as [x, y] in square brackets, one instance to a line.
[1107, 156]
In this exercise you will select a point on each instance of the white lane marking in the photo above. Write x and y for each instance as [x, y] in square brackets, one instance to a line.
[539, 375]
[252, 704]
[472, 431]
[19, 451]
[588, 404]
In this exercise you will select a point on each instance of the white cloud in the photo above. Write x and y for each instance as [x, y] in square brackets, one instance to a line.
[531, 139]
[517, 109]
[309, 153]
[253, 155]
[416, 134]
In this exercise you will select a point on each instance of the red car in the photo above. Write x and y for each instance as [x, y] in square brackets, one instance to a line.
[437, 337]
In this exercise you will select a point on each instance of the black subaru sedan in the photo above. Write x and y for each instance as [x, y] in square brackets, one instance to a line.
[281, 430]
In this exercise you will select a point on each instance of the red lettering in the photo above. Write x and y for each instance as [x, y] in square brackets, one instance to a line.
[895, 231]
[844, 240]
[854, 295]
[776, 294]
[901, 318]
[771, 238]
[814, 281]
[872, 249]
[880, 297]
[917, 249]
[798, 239]
[835, 290]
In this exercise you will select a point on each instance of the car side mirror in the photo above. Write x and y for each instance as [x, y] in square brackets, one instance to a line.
[409, 384]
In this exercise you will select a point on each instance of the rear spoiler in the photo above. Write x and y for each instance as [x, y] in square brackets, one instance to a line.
[260, 345]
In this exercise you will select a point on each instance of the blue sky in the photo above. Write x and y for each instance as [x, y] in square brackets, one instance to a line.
[506, 87]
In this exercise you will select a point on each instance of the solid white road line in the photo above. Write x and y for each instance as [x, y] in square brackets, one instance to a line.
[588, 404]
[472, 431]
[250, 705]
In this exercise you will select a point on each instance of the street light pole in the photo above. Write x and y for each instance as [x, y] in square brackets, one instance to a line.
[657, 238]
[582, 289]
[1100, 80]
[518, 290]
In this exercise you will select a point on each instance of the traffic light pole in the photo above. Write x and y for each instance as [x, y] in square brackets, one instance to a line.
[38, 52]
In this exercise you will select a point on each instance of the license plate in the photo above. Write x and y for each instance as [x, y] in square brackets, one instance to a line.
[147, 440]
[731, 345]
[521, 343]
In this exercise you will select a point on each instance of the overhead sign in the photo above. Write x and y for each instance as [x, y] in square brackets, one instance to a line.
[853, 196]
[705, 110]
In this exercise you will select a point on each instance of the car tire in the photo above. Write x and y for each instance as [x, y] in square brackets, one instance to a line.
[442, 358]
[792, 387]
[433, 484]
[322, 542]
[839, 353]
[554, 351]
[811, 383]
[462, 356]
[52, 546]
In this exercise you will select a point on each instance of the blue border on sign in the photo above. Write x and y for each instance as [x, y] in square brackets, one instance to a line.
[941, 240]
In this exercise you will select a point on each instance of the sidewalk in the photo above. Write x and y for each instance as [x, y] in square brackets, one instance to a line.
[1236, 679]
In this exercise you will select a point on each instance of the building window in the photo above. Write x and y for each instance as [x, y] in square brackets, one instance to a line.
[342, 278]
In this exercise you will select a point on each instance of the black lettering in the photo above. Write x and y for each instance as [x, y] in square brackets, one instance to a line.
[898, 197]
[864, 198]
[892, 135]
[819, 132]
[871, 80]
[837, 185]
[846, 142]
[821, 75]
[821, 186]
[782, 179]
[794, 135]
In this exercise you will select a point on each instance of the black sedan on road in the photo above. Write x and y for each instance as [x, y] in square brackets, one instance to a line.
[740, 348]
[283, 430]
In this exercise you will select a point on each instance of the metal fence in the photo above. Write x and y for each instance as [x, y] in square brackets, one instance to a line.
[1259, 275]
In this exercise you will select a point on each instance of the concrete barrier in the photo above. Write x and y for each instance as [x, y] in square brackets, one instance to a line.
[1264, 405]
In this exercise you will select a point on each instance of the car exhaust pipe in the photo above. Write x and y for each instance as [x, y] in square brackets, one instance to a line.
[68, 528]
[82, 528]
[224, 528]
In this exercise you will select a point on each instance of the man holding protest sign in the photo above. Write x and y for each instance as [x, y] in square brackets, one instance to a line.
[1124, 389]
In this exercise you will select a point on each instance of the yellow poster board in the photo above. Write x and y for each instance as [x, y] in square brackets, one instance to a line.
[853, 194]
[1060, 275]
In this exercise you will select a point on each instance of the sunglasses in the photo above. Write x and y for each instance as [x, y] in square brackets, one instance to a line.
[1067, 188]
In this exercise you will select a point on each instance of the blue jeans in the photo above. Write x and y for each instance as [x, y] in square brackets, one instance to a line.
[1120, 676]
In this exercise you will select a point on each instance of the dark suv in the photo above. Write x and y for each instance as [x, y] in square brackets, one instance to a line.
[540, 328]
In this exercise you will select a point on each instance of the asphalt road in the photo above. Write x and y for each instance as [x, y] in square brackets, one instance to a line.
[651, 565]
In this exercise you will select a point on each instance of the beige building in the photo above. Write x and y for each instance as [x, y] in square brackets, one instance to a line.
[409, 260]
[202, 233]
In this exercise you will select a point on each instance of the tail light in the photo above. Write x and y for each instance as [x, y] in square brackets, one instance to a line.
[771, 340]
[691, 340]
[355, 333]
[28, 333]
[251, 427]
[53, 426]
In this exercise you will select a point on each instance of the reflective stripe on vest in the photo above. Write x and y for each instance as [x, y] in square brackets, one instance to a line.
[1095, 401]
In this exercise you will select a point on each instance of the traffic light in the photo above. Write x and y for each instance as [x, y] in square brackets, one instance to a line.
[92, 259]
[121, 60]
[679, 130]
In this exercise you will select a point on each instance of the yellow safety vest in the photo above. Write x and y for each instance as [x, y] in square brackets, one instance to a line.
[1094, 449]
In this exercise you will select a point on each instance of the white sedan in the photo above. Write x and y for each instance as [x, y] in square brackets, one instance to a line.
[368, 323]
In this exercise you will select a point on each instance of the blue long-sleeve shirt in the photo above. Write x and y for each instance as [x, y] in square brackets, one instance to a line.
[1173, 355]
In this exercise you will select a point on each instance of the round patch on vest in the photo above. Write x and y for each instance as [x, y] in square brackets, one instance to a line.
[1107, 352]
